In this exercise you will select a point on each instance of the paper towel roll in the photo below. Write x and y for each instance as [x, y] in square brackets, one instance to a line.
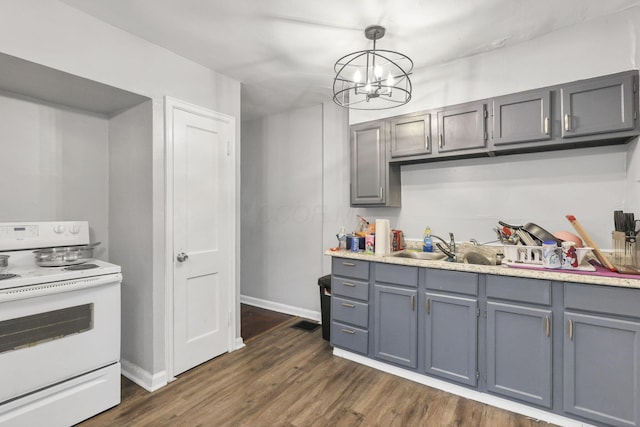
[383, 241]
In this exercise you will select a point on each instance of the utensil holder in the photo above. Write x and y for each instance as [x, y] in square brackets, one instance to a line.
[625, 249]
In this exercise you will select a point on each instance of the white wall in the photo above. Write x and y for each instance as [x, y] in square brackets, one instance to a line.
[469, 196]
[130, 193]
[282, 209]
[54, 166]
[53, 34]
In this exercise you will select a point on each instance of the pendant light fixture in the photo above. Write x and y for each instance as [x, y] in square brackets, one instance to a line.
[372, 79]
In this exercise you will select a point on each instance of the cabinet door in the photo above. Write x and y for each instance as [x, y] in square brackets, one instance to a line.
[598, 106]
[462, 127]
[410, 135]
[451, 337]
[601, 372]
[519, 352]
[368, 161]
[522, 117]
[396, 325]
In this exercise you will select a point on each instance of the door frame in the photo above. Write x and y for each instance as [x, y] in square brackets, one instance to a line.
[170, 105]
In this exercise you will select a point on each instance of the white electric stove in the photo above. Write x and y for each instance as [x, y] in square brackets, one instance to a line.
[59, 329]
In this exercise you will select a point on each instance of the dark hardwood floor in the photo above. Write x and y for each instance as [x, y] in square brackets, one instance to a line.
[255, 321]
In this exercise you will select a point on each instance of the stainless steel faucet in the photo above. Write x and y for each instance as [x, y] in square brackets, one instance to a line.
[450, 246]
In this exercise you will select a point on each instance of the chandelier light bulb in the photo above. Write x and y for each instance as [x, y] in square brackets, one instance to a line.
[390, 81]
[377, 70]
[367, 88]
[357, 76]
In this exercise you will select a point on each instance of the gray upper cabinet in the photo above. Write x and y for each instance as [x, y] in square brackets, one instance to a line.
[451, 337]
[463, 128]
[599, 105]
[522, 117]
[410, 135]
[373, 181]
[519, 352]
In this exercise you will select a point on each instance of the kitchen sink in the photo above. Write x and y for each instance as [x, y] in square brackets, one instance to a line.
[431, 256]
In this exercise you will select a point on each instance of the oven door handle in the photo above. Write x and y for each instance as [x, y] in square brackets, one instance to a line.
[32, 291]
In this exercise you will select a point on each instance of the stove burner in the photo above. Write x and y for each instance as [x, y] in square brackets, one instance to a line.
[80, 267]
[8, 276]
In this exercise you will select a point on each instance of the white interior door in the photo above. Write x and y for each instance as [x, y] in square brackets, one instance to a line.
[203, 225]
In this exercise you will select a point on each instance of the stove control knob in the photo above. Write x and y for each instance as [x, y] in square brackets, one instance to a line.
[75, 229]
[59, 229]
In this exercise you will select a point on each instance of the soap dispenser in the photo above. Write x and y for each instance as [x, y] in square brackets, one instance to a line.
[428, 242]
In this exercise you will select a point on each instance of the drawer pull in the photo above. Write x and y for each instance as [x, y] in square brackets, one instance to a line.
[427, 306]
[440, 143]
[348, 264]
[567, 122]
[547, 326]
[348, 331]
[413, 302]
[345, 304]
[570, 330]
[351, 285]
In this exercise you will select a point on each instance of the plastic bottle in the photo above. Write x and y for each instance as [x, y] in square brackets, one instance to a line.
[428, 242]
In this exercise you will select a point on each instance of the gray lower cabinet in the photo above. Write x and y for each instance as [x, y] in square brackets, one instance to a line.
[410, 135]
[599, 105]
[451, 337]
[396, 325]
[395, 318]
[373, 181]
[522, 117]
[463, 128]
[519, 352]
[350, 304]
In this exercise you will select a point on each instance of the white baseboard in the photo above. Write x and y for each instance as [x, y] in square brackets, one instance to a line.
[488, 399]
[237, 344]
[281, 308]
[146, 380]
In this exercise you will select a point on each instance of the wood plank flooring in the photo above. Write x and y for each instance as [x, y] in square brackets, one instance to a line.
[288, 377]
[255, 321]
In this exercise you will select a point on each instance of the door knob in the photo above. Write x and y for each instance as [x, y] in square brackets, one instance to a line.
[182, 257]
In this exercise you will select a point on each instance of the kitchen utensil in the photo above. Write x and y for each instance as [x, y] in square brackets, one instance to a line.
[64, 255]
[587, 239]
[526, 237]
[537, 233]
[618, 218]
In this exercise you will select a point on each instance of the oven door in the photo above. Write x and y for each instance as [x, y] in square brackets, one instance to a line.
[53, 332]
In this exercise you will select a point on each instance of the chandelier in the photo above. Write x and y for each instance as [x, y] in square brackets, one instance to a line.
[372, 79]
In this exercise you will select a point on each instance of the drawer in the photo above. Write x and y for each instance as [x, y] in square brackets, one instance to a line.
[350, 268]
[396, 274]
[350, 288]
[515, 289]
[349, 338]
[602, 299]
[348, 311]
[452, 281]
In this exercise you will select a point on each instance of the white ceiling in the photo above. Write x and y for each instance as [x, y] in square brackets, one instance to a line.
[283, 51]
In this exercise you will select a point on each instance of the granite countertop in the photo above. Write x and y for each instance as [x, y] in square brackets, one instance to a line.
[610, 279]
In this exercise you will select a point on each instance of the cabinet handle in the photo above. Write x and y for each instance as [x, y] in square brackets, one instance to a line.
[567, 122]
[348, 264]
[440, 143]
[413, 302]
[547, 326]
[570, 330]
[348, 331]
[427, 144]
[546, 125]
[427, 306]
[351, 285]
[381, 193]
[345, 304]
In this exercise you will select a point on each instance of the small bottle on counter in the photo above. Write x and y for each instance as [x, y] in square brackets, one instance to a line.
[428, 242]
[342, 239]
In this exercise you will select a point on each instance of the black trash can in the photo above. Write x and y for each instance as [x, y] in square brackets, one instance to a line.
[325, 305]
